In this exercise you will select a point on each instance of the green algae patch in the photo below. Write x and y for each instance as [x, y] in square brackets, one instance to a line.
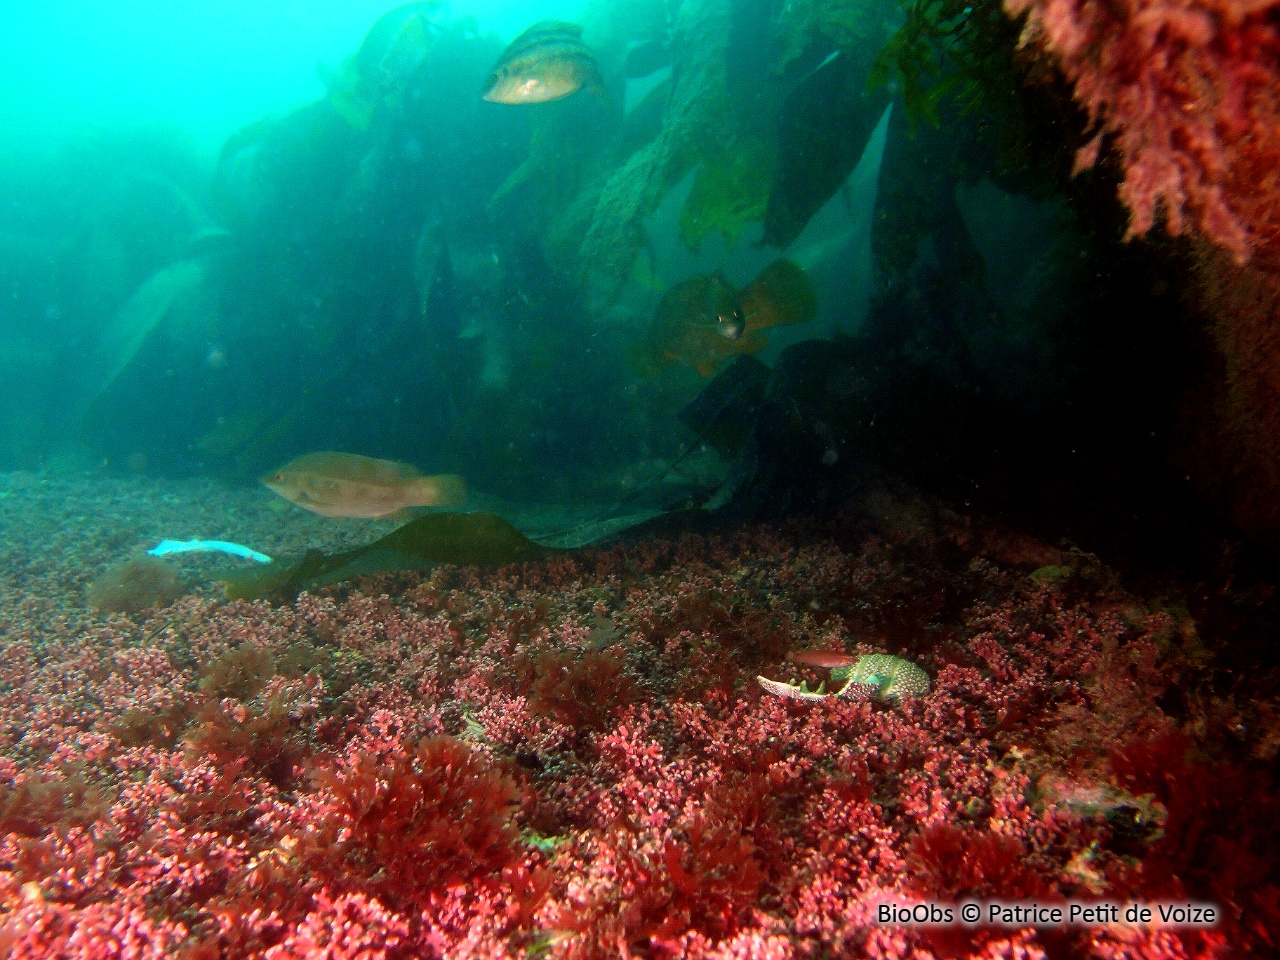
[730, 192]
[1053, 575]
[461, 539]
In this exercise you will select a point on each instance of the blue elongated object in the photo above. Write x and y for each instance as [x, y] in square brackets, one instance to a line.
[207, 546]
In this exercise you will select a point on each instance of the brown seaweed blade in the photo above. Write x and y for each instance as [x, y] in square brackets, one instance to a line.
[823, 129]
[462, 539]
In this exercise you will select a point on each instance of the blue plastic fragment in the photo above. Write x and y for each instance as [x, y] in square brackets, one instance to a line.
[207, 546]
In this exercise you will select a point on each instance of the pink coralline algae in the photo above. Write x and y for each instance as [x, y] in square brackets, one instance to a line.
[1188, 94]
[572, 759]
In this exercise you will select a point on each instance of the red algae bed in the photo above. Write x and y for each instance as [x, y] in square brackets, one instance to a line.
[572, 758]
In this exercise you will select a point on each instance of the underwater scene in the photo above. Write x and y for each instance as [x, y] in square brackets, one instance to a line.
[656, 479]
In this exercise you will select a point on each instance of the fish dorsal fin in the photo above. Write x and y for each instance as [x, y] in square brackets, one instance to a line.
[544, 32]
[550, 28]
[823, 658]
[355, 467]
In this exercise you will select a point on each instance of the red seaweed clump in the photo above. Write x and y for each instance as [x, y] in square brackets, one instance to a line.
[571, 758]
[582, 692]
[950, 862]
[1194, 855]
[417, 820]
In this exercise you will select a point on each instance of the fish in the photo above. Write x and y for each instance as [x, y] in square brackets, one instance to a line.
[351, 485]
[876, 676]
[709, 302]
[655, 87]
[822, 658]
[547, 62]
[396, 45]
[703, 321]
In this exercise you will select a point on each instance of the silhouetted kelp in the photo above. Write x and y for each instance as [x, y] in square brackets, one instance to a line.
[482, 539]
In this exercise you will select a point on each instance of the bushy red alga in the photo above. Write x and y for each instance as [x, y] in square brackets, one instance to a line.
[1187, 93]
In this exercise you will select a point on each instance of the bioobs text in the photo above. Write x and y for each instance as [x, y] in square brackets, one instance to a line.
[1069, 913]
[919, 913]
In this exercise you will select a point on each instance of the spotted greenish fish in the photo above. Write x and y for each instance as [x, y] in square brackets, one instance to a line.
[877, 676]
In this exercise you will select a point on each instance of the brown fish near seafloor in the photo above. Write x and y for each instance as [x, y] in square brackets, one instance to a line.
[547, 62]
[351, 485]
[703, 321]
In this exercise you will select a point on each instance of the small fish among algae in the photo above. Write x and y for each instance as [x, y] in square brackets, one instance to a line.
[704, 322]
[876, 676]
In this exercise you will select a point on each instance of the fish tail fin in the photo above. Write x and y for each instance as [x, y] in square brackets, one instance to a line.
[779, 296]
[444, 490]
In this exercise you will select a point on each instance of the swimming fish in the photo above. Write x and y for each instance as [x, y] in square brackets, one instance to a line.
[877, 676]
[350, 485]
[704, 321]
[547, 62]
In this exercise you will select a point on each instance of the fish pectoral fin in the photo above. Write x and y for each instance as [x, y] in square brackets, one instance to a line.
[707, 368]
